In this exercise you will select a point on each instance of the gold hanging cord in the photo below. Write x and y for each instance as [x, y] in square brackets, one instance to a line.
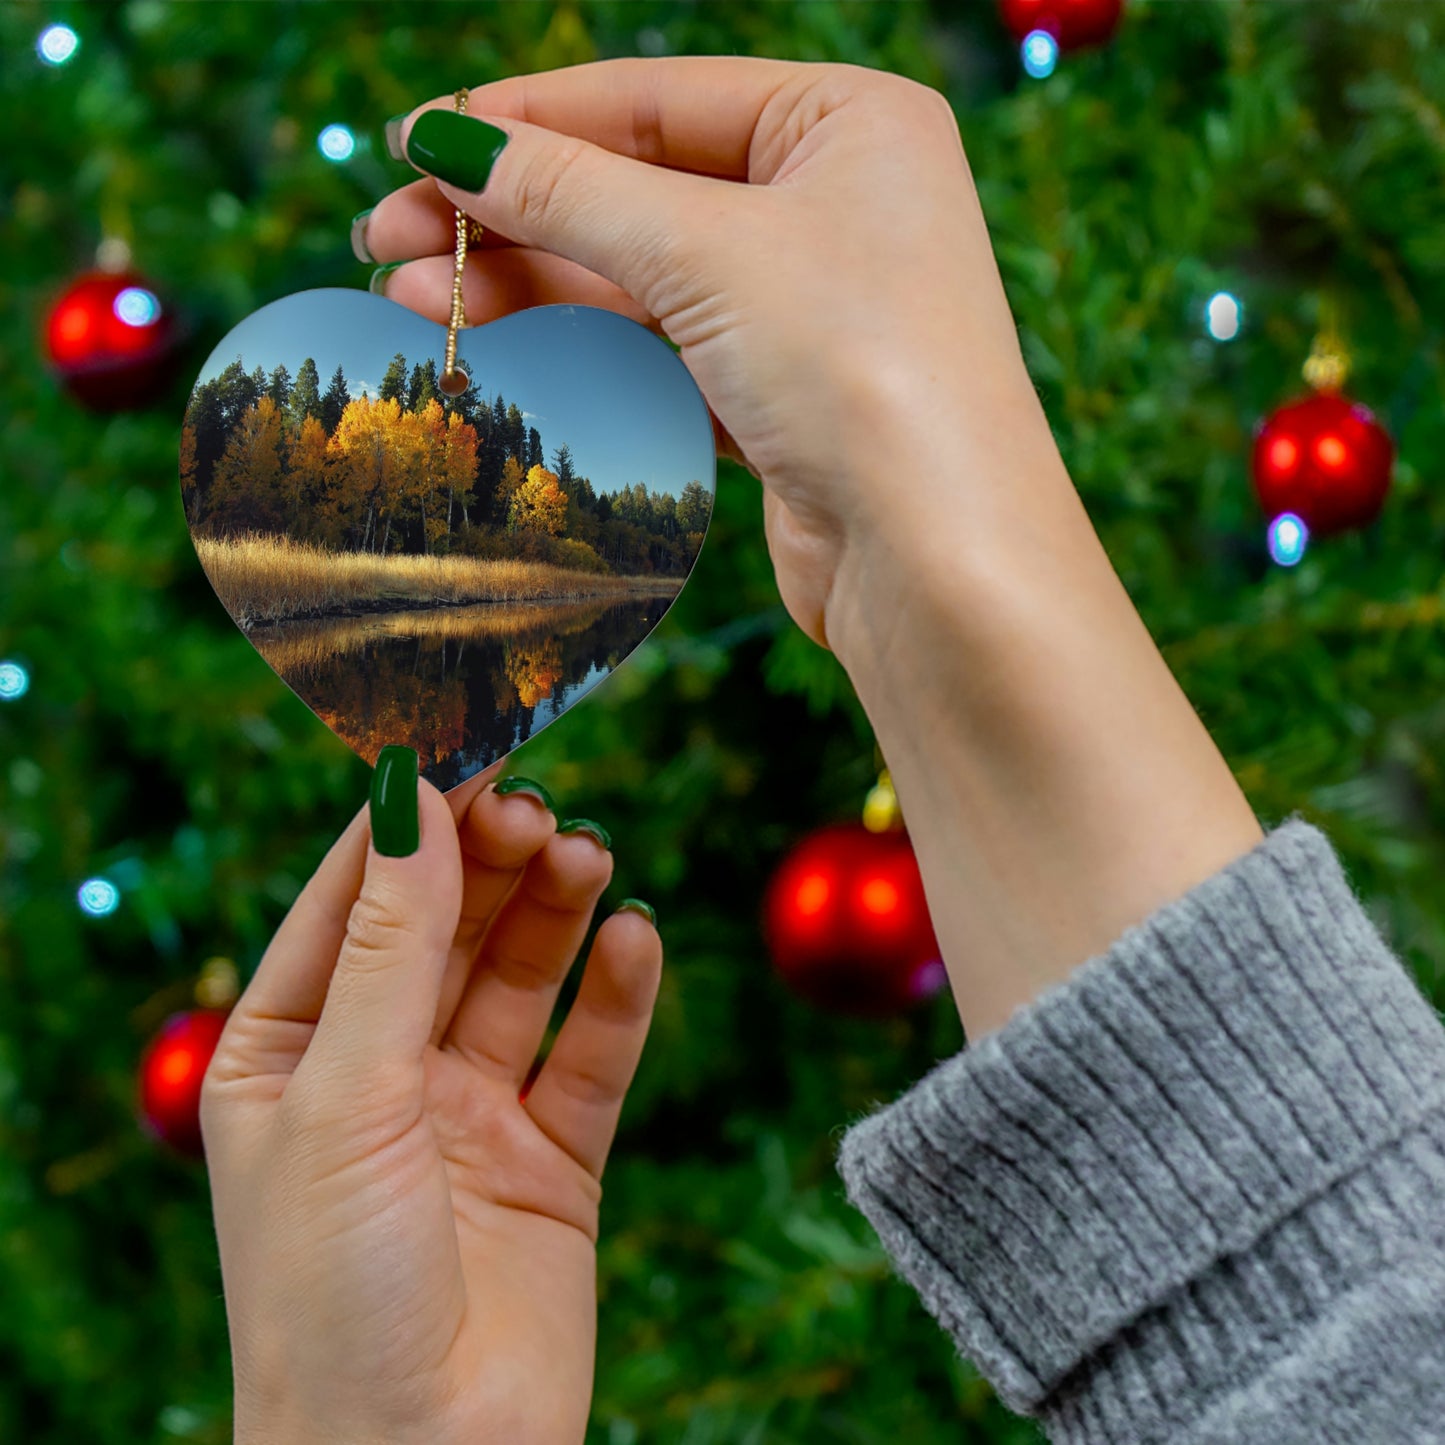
[1328, 366]
[453, 382]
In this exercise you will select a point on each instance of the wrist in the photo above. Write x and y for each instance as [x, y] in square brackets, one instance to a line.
[1057, 784]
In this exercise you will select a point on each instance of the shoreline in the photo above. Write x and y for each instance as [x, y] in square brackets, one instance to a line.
[378, 606]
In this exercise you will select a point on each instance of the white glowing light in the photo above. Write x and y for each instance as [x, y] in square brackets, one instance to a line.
[1288, 537]
[98, 897]
[1223, 316]
[1040, 54]
[137, 307]
[57, 44]
[337, 143]
[14, 681]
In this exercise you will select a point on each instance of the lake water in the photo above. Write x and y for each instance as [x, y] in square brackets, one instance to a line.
[461, 685]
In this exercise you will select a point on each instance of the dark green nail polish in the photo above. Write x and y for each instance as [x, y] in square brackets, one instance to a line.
[380, 276]
[393, 137]
[636, 905]
[395, 828]
[359, 247]
[514, 784]
[455, 148]
[586, 825]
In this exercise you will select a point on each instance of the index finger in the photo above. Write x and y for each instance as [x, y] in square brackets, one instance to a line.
[695, 113]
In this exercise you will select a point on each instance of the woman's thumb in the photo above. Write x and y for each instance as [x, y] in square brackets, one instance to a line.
[621, 218]
[382, 999]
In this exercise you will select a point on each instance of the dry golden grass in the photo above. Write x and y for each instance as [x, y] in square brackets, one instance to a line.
[264, 579]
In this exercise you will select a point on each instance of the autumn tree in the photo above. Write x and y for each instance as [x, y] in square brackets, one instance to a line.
[538, 504]
[459, 468]
[368, 476]
[189, 492]
[512, 478]
[308, 466]
[247, 493]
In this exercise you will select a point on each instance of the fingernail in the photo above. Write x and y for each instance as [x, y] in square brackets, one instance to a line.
[636, 905]
[359, 247]
[455, 148]
[586, 825]
[395, 828]
[393, 137]
[514, 784]
[379, 278]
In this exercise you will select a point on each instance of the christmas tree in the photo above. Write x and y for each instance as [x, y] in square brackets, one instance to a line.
[1278, 163]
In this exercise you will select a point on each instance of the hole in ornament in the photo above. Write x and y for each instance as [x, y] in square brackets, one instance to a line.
[454, 383]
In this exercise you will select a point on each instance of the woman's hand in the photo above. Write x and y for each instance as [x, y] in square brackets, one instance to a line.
[842, 313]
[408, 1250]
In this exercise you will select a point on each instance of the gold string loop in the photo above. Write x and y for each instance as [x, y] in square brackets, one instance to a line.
[452, 381]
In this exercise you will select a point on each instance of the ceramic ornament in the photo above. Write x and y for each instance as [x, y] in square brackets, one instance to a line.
[444, 557]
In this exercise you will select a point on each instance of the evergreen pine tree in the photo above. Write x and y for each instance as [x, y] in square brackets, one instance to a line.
[306, 394]
[335, 401]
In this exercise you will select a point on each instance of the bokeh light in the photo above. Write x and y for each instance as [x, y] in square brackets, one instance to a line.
[1223, 316]
[98, 897]
[14, 681]
[137, 307]
[57, 44]
[336, 143]
[1288, 538]
[1040, 54]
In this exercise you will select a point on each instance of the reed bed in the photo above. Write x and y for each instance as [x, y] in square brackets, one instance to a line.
[263, 579]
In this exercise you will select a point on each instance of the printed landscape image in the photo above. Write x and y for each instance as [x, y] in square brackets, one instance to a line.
[445, 572]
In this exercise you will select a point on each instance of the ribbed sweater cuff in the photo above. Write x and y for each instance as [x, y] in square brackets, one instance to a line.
[1176, 1147]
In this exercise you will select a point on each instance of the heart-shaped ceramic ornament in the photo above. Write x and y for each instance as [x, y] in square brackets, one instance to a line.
[450, 573]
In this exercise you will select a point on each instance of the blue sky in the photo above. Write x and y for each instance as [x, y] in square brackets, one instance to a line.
[617, 395]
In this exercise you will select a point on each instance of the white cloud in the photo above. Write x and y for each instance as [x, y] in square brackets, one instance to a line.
[533, 415]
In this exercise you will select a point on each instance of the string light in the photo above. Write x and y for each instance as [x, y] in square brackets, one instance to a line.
[336, 143]
[57, 44]
[98, 897]
[1040, 54]
[137, 307]
[1288, 537]
[14, 681]
[1223, 316]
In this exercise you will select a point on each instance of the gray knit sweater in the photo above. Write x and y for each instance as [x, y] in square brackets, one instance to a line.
[1197, 1191]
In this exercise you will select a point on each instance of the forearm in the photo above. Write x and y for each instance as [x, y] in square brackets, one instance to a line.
[1057, 784]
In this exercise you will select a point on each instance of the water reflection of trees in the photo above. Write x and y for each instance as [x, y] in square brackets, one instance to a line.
[460, 685]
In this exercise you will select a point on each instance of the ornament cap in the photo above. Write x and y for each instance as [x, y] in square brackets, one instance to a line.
[881, 813]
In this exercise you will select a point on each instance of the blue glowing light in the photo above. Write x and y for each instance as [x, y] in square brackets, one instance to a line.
[57, 44]
[337, 143]
[137, 307]
[1223, 316]
[14, 681]
[1288, 538]
[1040, 54]
[98, 897]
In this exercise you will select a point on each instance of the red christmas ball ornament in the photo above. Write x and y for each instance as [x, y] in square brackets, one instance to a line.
[847, 923]
[171, 1072]
[1073, 23]
[1326, 459]
[111, 341]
